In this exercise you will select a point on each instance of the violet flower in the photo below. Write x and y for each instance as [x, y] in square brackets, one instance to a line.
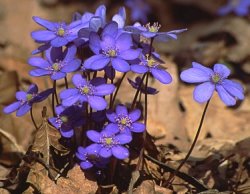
[213, 80]
[67, 119]
[151, 31]
[239, 7]
[87, 91]
[112, 48]
[106, 144]
[57, 34]
[124, 121]
[149, 64]
[57, 64]
[25, 100]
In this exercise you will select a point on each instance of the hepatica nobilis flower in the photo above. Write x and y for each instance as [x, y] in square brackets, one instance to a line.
[87, 91]
[152, 31]
[112, 47]
[149, 64]
[213, 80]
[67, 118]
[89, 158]
[124, 121]
[106, 143]
[240, 7]
[57, 64]
[25, 100]
[58, 34]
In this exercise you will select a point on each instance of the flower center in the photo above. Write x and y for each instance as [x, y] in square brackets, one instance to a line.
[123, 121]
[111, 52]
[149, 61]
[216, 78]
[153, 28]
[108, 140]
[64, 119]
[60, 31]
[56, 67]
[29, 97]
[86, 89]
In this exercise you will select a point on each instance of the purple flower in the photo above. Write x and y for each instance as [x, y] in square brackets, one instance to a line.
[139, 10]
[213, 80]
[25, 100]
[239, 7]
[124, 121]
[151, 31]
[84, 91]
[135, 84]
[67, 119]
[106, 144]
[112, 47]
[57, 63]
[149, 64]
[57, 34]
[90, 158]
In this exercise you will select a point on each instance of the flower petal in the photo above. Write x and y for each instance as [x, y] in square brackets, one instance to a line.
[138, 127]
[93, 135]
[104, 89]
[97, 103]
[120, 65]
[110, 29]
[105, 152]
[12, 107]
[70, 53]
[78, 80]
[234, 88]
[203, 92]
[71, 66]
[123, 138]
[39, 72]
[203, 68]
[94, 43]
[43, 35]
[45, 23]
[100, 63]
[129, 54]
[124, 42]
[38, 62]
[139, 68]
[225, 96]
[221, 69]
[134, 115]
[120, 152]
[194, 75]
[68, 92]
[93, 148]
[121, 110]
[67, 133]
[59, 41]
[111, 129]
[23, 110]
[86, 165]
[21, 96]
[57, 75]
[111, 116]
[161, 75]
[71, 100]
[108, 42]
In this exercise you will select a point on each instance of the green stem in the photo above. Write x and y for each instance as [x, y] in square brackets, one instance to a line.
[193, 144]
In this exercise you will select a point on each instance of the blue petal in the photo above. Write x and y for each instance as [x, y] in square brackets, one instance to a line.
[12, 107]
[234, 88]
[123, 138]
[225, 96]
[93, 148]
[104, 89]
[137, 127]
[120, 65]
[124, 42]
[53, 121]
[97, 81]
[222, 70]
[45, 23]
[161, 75]
[43, 35]
[110, 29]
[129, 54]
[23, 110]
[78, 80]
[119, 20]
[105, 152]
[70, 53]
[86, 165]
[194, 75]
[59, 41]
[68, 92]
[97, 103]
[67, 133]
[101, 12]
[111, 129]
[39, 72]
[107, 43]
[120, 152]
[38, 62]
[93, 136]
[149, 34]
[70, 100]
[89, 61]
[203, 92]
[33, 89]
[206, 70]
[120, 109]
[111, 116]
[139, 68]
[71, 66]
[21, 96]
[58, 75]
[94, 43]
[100, 63]
[134, 115]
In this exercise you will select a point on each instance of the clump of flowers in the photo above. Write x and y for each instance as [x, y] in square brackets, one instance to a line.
[86, 112]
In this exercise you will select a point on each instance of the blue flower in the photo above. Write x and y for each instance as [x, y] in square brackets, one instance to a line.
[149, 64]
[56, 34]
[67, 119]
[84, 91]
[57, 64]
[124, 121]
[135, 84]
[139, 10]
[213, 80]
[106, 144]
[240, 7]
[151, 31]
[90, 158]
[112, 48]
[25, 100]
